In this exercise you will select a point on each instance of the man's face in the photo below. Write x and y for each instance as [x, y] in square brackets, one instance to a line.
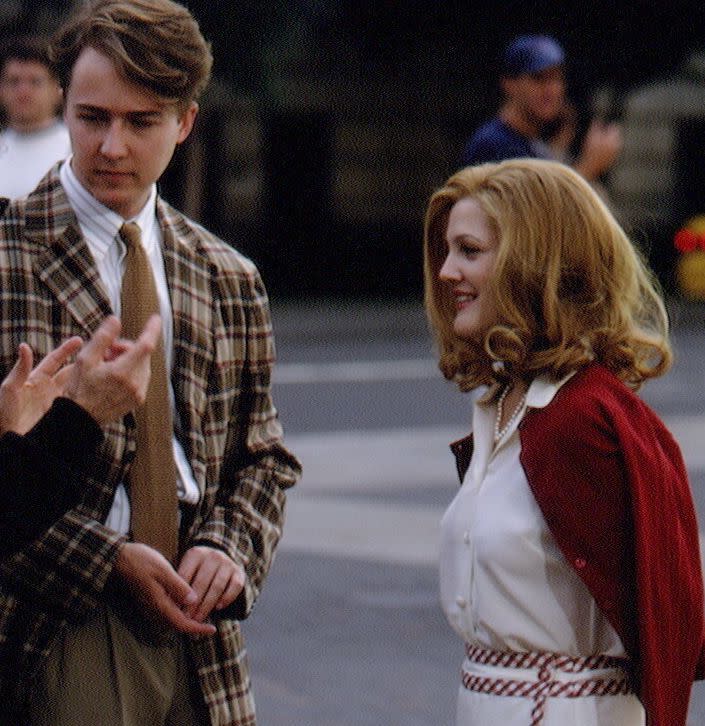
[123, 136]
[539, 97]
[29, 94]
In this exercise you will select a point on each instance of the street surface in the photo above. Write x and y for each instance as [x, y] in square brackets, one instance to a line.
[348, 630]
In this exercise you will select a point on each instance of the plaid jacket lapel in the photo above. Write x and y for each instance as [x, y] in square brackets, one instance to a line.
[189, 277]
[64, 263]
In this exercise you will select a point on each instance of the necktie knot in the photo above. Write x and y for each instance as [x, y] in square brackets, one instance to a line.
[131, 235]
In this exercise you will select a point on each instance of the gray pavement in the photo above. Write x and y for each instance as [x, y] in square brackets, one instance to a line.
[348, 630]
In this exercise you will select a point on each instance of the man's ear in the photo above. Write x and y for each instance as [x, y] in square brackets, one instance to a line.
[186, 122]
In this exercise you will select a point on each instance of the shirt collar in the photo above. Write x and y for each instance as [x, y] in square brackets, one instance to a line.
[99, 223]
[542, 390]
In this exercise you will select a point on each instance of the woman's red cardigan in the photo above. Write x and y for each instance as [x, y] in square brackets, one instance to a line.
[612, 486]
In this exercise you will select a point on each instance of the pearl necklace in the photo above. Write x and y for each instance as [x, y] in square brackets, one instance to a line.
[499, 434]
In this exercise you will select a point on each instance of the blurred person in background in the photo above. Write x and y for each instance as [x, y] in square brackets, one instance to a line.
[33, 137]
[535, 119]
[569, 559]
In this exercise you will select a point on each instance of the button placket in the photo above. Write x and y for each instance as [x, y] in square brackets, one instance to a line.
[463, 597]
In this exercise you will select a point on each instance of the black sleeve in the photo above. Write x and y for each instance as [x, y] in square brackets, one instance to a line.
[41, 472]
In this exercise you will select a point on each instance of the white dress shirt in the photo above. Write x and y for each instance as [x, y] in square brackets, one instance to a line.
[504, 582]
[505, 585]
[100, 227]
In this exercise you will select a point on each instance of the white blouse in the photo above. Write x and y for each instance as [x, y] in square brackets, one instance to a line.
[504, 582]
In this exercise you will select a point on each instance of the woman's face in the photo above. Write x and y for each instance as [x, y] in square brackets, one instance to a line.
[468, 268]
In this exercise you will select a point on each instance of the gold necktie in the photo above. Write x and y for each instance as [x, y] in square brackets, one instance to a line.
[152, 477]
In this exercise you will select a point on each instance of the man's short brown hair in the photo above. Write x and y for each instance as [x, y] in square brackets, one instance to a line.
[156, 44]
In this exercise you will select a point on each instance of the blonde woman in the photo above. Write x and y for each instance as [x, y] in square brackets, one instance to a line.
[569, 557]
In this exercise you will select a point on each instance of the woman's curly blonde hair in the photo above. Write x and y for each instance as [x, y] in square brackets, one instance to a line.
[568, 285]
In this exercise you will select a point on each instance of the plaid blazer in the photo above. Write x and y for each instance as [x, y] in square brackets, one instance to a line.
[223, 355]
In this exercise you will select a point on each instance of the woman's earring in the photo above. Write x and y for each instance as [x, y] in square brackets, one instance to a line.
[498, 366]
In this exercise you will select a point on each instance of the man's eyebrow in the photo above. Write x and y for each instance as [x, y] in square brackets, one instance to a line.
[143, 116]
[129, 114]
[88, 107]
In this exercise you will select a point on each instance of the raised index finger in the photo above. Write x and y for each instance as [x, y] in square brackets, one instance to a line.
[97, 347]
[143, 347]
[152, 330]
[52, 362]
[22, 368]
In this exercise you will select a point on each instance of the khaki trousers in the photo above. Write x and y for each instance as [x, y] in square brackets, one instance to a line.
[104, 673]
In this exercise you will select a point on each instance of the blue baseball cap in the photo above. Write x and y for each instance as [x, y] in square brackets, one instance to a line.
[531, 54]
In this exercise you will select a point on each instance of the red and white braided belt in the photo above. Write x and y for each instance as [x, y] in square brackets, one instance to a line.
[547, 685]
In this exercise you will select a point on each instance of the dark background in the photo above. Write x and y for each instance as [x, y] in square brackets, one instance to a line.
[407, 81]
[621, 43]
[432, 64]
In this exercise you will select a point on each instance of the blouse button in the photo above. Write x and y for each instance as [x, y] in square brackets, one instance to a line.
[466, 537]
[461, 602]
[580, 563]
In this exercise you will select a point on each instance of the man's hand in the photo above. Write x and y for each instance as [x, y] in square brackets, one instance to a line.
[601, 147]
[215, 578]
[110, 375]
[26, 394]
[154, 583]
[108, 379]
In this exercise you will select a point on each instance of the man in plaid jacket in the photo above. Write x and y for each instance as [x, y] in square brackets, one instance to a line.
[96, 628]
